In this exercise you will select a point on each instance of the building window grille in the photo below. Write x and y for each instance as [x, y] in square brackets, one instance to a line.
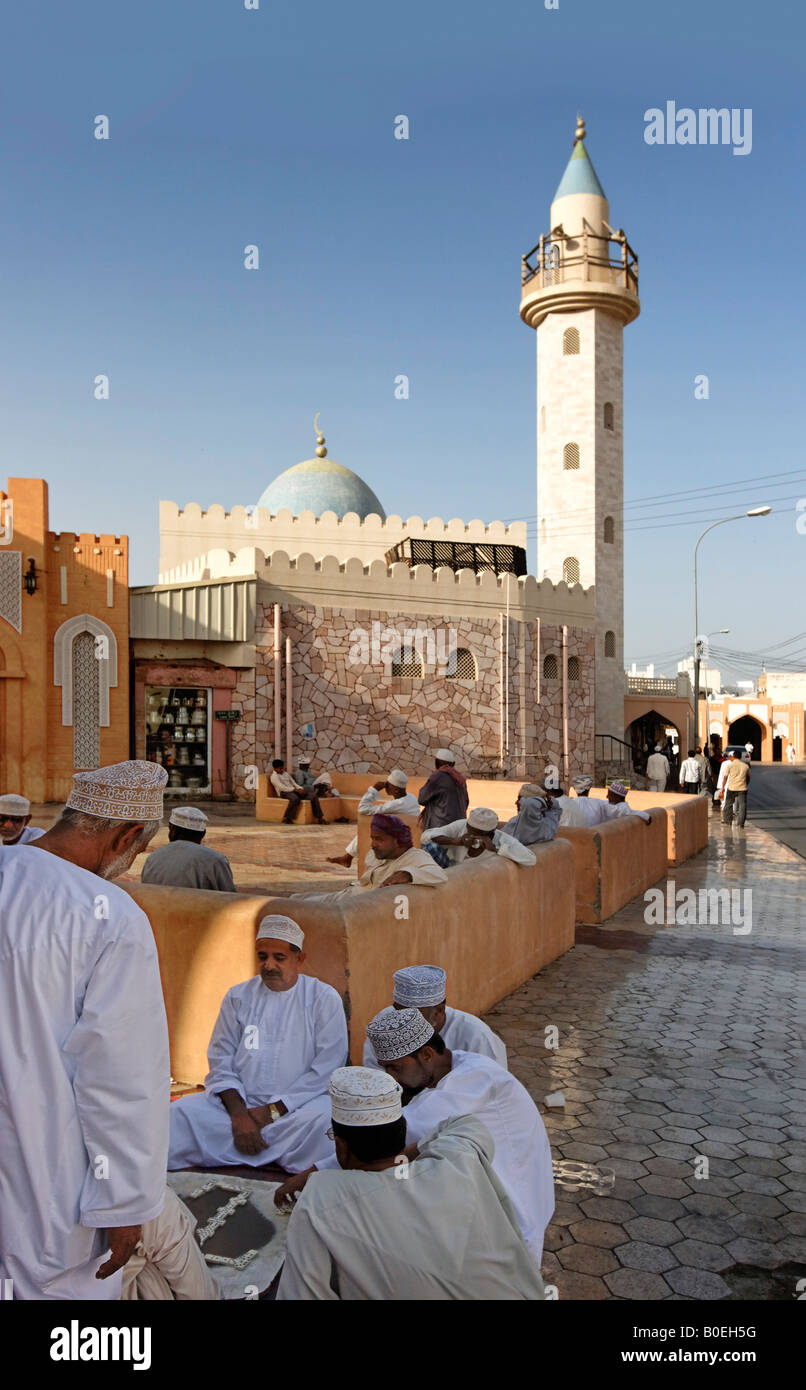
[465, 666]
[573, 670]
[570, 342]
[86, 703]
[609, 416]
[571, 570]
[610, 644]
[609, 530]
[571, 456]
[551, 668]
[406, 662]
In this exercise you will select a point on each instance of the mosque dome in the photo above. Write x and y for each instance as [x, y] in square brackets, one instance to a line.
[321, 485]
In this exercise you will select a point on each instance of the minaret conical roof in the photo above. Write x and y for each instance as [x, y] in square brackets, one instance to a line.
[580, 175]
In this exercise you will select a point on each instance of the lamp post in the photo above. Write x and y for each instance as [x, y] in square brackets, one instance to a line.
[723, 631]
[754, 511]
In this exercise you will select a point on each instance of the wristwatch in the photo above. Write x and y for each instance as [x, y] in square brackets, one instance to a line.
[273, 1113]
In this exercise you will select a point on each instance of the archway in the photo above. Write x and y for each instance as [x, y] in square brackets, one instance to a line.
[647, 731]
[747, 730]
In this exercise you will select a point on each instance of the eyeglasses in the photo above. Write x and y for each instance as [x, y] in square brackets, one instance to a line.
[329, 1132]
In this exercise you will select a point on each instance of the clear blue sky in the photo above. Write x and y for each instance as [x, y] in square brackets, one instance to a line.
[381, 257]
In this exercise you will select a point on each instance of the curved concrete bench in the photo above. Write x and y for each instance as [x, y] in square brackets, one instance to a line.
[615, 862]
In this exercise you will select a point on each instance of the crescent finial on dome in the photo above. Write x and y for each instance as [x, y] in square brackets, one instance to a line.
[320, 451]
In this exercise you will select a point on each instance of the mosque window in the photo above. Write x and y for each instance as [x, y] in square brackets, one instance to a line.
[609, 416]
[573, 670]
[465, 666]
[570, 342]
[571, 456]
[610, 644]
[609, 530]
[571, 570]
[406, 662]
[551, 668]
[86, 712]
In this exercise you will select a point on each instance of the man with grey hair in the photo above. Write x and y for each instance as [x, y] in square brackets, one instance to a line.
[15, 815]
[84, 1072]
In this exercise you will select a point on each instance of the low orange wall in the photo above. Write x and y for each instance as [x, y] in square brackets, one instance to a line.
[491, 926]
[687, 819]
[615, 862]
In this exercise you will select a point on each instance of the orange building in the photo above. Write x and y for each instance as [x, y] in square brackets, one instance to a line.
[64, 647]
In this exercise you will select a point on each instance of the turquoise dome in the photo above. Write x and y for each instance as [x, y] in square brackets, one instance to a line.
[321, 485]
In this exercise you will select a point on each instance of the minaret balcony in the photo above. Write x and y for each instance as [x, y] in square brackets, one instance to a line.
[563, 274]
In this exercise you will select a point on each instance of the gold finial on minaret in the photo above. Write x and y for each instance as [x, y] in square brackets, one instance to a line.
[321, 451]
[579, 133]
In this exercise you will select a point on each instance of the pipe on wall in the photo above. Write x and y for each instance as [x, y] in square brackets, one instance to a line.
[278, 697]
[289, 707]
[501, 689]
[565, 706]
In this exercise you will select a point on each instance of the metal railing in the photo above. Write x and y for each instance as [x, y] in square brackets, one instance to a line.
[553, 265]
[609, 749]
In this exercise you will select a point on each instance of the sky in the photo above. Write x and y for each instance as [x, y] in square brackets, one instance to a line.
[379, 257]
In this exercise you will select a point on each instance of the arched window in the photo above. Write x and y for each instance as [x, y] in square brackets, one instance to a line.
[570, 342]
[609, 416]
[610, 644]
[465, 668]
[573, 670]
[407, 662]
[609, 530]
[85, 666]
[551, 668]
[571, 570]
[571, 456]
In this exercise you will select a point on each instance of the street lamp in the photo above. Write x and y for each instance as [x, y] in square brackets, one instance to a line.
[722, 631]
[754, 511]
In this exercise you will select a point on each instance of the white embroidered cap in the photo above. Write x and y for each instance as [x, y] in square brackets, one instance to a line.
[279, 928]
[582, 783]
[397, 1032]
[325, 778]
[397, 778]
[364, 1096]
[419, 986]
[188, 817]
[129, 791]
[445, 755]
[482, 818]
[13, 805]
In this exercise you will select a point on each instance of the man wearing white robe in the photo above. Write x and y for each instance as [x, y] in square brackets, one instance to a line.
[657, 769]
[393, 859]
[445, 1231]
[84, 1069]
[389, 796]
[424, 987]
[276, 1041]
[15, 814]
[478, 836]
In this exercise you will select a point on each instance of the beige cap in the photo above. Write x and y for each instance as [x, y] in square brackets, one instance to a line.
[13, 805]
[444, 755]
[188, 817]
[279, 928]
[482, 818]
[364, 1096]
[397, 778]
[130, 791]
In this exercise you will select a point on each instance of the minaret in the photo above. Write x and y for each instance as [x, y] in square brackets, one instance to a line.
[579, 289]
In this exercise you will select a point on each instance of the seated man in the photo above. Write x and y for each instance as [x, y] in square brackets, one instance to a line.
[185, 862]
[276, 1041]
[167, 1263]
[617, 804]
[15, 813]
[450, 1233]
[423, 987]
[303, 776]
[438, 1085]
[392, 859]
[578, 810]
[285, 786]
[444, 796]
[477, 836]
[388, 796]
[537, 817]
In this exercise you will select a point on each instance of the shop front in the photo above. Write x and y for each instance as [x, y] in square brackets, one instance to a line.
[176, 725]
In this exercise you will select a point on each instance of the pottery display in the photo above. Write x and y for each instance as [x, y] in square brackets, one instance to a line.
[174, 779]
[198, 717]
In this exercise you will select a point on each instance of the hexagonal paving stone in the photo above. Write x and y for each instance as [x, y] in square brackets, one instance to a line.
[606, 1234]
[705, 1204]
[722, 1135]
[794, 1201]
[652, 1230]
[636, 1152]
[702, 1254]
[714, 1230]
[635, 1283]
[767, 1228]
[697, 1283]
[626, 1168]
[588, 1259]
[607, 1209]
[659, 1186]
[573, 1285]
[765, 1187]
[794, 1222]
[639, 1254]
[755, 1252]
[679, 1135]
[794, 1248]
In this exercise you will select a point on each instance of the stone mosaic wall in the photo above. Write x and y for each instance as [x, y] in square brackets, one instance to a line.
[366, 718]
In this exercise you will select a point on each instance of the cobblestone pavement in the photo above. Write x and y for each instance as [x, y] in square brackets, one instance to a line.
[678, 1042]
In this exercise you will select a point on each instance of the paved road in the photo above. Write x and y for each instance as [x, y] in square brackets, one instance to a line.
[777, 803]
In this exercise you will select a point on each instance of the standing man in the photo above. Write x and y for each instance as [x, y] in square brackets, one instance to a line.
[278, 1037]
[690, 774]
[735, 791]
[358, 1234]
[84, 1071]
[285, 786]
[702, 763]
[444, 796]
[747, 755]
[185, 862]
[657, 769]
[15, 813]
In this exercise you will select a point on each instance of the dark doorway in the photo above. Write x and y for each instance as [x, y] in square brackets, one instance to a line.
[776, 749]
[747, 730]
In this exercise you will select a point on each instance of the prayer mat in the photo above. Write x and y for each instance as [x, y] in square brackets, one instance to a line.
[240, 1231]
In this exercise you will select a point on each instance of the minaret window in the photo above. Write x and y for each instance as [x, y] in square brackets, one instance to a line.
[609, 530]
[571, 456]
[573, 670]
[610, 644]
[609, 416]
[571, 570]
[570, 342]
[551, 669]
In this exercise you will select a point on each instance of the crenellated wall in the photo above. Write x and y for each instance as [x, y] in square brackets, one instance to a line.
[188, 535]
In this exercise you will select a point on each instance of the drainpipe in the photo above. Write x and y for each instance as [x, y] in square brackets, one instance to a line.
[501, 689]
[506, 678]
[565, 705]
[289, 706]
[278, 697]
[539, 666]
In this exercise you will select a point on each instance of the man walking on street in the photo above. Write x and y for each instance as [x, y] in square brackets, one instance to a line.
[735, 791]
[690, 774]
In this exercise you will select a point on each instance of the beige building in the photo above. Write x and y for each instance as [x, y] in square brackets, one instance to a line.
[772, 720]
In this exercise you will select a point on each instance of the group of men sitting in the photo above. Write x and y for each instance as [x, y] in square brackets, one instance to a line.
[433, 1090]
